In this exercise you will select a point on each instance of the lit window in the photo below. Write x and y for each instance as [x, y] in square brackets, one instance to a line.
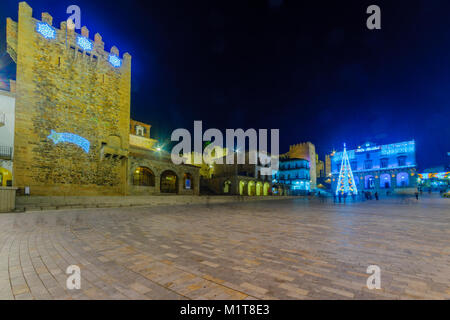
[84, 43]
[115, 61]
[45, 30]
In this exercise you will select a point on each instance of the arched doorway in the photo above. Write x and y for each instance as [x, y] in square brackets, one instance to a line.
[259, 187]
[266, 188]
[385, 181]
[143, 176]
[251, 188]
[402, 180]
[369, 182]
[241, 187]
[227, 187]
[188, 183]
[169, 182]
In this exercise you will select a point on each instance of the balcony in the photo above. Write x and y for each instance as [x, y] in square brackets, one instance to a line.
[6, 152]
[2, 119]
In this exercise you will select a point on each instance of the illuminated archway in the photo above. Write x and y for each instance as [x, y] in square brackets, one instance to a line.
[402, 179]
[259, 187]
[369, 182]
[241, 187]
[227, 186]
[143, 176]
[169, 182]
[385, 181]
[266, 188]
[251, 188]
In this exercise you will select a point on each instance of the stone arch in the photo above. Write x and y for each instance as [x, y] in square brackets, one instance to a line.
[259, 188]
[242, 189]
[402, 179]
[227, 187]
[266, 188]
[168, 182]
[385, 181]
[143, 176]
[251, 186]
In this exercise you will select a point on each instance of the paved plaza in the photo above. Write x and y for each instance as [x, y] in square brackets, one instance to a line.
[287, 249]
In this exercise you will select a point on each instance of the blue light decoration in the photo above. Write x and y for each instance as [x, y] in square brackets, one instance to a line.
[395, 148]
[115, 61]
[346, 183]
[84, 43]
[45, 30]
[62, 137]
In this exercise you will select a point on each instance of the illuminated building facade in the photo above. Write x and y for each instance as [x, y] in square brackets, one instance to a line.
[295, 174]
[379, 168]
[306, 151]
[434, 181]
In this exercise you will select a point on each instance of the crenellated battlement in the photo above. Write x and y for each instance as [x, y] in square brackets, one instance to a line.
[67, 39]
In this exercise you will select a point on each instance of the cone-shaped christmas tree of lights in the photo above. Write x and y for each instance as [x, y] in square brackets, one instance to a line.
[346, 183]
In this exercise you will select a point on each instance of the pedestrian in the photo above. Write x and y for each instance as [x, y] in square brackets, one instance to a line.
[376, 195]
[340, 198]
[417, 195]
[334, 197]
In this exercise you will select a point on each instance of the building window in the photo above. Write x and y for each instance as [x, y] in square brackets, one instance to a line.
[140, 130]
[368, 164]
[354, 165]
[384, 163]
[367, 155]
[187, 181]
[401, 161]
[143, 176]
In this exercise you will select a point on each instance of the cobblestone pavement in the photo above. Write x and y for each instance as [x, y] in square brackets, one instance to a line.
[292, 249]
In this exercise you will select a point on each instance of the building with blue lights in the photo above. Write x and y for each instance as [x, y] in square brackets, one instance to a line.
[385, 169]
[295, 174]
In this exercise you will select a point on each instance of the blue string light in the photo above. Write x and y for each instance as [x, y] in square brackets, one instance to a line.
[84, 43]
[58, 137]
[45, 30]
[115, 61]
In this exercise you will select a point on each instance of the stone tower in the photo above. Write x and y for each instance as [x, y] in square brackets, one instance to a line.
[72, 109]
[306, 151]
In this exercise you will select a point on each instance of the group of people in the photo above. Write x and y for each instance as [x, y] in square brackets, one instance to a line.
[366, 195]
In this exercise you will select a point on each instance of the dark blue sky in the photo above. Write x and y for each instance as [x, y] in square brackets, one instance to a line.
[310, 68]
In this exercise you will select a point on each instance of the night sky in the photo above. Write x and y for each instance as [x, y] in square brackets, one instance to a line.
[309, 68]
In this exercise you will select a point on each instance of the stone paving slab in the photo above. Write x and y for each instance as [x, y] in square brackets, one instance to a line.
[286, 249]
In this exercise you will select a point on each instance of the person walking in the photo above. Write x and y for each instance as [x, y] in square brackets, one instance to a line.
[376, 195]
[417, 195]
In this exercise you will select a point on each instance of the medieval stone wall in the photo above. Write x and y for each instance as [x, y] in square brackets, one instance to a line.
[64, 88]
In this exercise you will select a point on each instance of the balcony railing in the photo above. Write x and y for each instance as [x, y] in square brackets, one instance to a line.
[6, 152]
[2, 119]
